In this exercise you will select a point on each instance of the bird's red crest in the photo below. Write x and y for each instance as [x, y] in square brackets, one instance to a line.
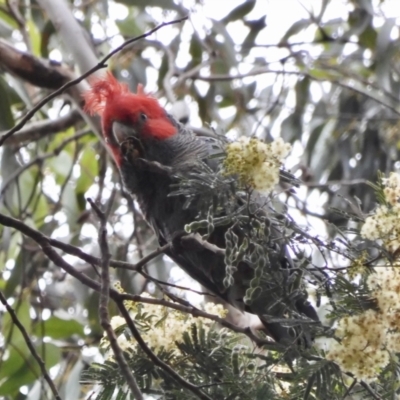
[103, 90]
[114, 102]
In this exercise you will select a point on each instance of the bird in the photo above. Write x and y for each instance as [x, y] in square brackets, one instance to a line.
[154, 154]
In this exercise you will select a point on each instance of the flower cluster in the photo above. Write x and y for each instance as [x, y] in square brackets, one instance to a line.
[361, 350]
[367, 340]
[160, 327]
[255, 162]
[384, 224]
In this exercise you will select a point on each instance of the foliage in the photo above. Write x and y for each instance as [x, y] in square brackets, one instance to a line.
[326, 82]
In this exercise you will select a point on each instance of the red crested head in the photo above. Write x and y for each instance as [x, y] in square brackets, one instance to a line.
[114, 102]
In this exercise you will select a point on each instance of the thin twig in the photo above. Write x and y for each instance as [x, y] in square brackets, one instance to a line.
[31, 347]
[103, 303]
[349, 389]
[160, 282]
[194, 240]
[343, 182]
[370, 391]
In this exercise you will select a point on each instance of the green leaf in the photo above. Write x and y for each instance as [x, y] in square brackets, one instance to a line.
[6, 117]
[256, 27]
[7, 23]
[291, 127]
[302, 93]
[239, 12]
[128, 26]
[196, 51]
[18, 353]
[89, 170]
[61, 164]
[35, 37]
[47, 31]
[368, 38]
[41, 210]
[27, 184]
[164, 4]
[30, 370]
[21, 265]
[296, 28]
[18, 350]
[58, 328]
[70, 205]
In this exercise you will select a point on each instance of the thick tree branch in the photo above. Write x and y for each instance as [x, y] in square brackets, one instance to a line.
[39, 72]
[38, 130]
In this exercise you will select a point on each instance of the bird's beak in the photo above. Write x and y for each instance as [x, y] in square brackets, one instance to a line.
[122, 132]
[127, 139]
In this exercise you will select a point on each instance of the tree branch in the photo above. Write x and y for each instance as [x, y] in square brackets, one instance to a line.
[38, 130]
[38, 72]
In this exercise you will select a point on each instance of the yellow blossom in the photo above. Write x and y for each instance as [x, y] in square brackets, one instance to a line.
[162, 327]
[367, 339]
[384, 223]
[255, 162]
[362, 349]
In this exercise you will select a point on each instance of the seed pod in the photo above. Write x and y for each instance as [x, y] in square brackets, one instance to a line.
[235, 362]
[228, 281]
[195, 226]
[228, 255]
[258, 273]
[254, 257]
[261, 263]
[242, 250]
[235, 239]
[256, 292]
[210, 229]
[254, 283]
[249, 291]
[247, 300]
[251, 366]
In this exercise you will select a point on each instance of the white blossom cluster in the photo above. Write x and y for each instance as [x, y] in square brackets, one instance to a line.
[384, 224]
[367, 340]
[255, 162]
[162, 326]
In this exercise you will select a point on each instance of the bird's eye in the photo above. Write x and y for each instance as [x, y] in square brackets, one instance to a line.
[143, 117]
